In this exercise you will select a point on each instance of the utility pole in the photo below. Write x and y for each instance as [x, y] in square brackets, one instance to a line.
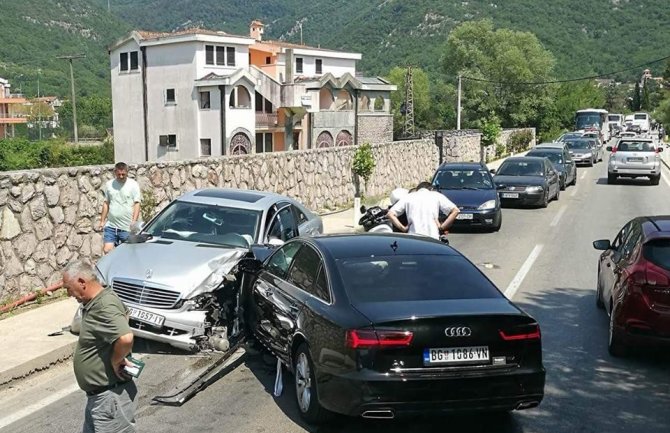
[39, 108]
[408, 126]
[74, 101]
[458, 109]
[109, 9]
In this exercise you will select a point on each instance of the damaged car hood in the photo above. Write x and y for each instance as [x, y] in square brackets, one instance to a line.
[181, 265]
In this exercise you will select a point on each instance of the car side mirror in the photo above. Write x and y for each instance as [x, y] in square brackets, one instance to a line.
[602, 244]
[275, 242]
[492, 171]
[609, 148]
[660, 149]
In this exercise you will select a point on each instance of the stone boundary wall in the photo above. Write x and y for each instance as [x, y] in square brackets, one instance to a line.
[492, 152]
[47, 216]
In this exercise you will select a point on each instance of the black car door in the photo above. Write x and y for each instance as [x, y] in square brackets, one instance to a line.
[570, 167]
[261, 316]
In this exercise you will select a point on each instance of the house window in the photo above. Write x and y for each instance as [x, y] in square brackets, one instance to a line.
[204, 100]
[263, 142]
[221, 56]
[230, 56]
[123, 58]
[205, 147]
[170, 96]
[209, 54]
[169, 140]
[134, 61]
[268, 60]
[298, 65]
[319, 66]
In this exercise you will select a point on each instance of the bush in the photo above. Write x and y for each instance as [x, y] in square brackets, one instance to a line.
[519, 141]
[491, 130]
[21, 154]
[148, 204]
[363, 164]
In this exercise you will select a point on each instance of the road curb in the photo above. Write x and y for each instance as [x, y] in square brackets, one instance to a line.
[42, 362]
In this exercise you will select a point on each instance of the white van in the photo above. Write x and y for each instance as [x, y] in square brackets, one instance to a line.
[643, 120]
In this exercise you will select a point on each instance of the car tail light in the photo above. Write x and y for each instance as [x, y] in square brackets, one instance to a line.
[527, 332]
[365, 338]
[613, 150]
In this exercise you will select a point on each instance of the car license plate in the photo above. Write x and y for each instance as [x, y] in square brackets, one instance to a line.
[634, 159]
[464, 216]
[455, 355]
[510, 195]
[146, 317]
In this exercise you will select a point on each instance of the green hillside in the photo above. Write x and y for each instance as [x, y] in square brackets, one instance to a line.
[597, 36]
[35, 32]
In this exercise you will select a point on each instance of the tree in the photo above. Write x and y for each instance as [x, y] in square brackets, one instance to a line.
[637, 100]
[501, 59]
[92, 112]
[645, 103]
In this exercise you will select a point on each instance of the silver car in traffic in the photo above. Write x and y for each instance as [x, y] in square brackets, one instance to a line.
[635, 157]
[178, 275]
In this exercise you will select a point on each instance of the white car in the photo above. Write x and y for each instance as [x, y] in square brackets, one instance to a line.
[635, 157]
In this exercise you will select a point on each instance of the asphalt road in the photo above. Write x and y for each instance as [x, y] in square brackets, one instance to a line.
[543, 258]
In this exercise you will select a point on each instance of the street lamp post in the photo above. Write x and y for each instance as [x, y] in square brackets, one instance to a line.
[458, 109]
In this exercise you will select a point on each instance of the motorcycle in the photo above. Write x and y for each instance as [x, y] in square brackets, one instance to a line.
[375, 220]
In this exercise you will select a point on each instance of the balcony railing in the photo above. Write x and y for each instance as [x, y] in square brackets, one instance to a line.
[266, 120]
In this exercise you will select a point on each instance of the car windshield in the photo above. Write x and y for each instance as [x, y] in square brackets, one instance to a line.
[635, 146]
[658, 252]
[578, 144]
[521, 168]
[403, 278]
[206, 223]
[463, 179]
[554, 157]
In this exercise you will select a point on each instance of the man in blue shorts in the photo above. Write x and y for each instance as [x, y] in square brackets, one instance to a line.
[120, 208]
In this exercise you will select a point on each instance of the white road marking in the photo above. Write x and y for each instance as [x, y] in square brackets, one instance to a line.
[525, 268]
[583, 175]
[665, 179]
[558, 216]
[29, 410]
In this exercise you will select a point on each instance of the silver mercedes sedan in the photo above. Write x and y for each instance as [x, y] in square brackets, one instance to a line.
[178, 275]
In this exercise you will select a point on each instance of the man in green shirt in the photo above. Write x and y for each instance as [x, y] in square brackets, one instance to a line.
[120, 207]
[104, 342]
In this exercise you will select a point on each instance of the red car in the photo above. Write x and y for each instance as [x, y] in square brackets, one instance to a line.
[634, 283]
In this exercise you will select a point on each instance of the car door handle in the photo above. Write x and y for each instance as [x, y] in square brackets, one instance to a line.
[293, 309]
[264, 290]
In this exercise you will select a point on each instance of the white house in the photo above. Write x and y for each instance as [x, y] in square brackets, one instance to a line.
[199, 93]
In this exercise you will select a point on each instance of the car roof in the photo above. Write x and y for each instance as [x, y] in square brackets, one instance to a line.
[638, 138]
[525, 158]
[233, 197]
[656, 226]
[553, 145]
[550, 149]
[342, 246]
[461, 165]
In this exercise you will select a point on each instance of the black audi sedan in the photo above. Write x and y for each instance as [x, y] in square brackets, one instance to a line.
[469, 185]
[376, 325]
[527, 180]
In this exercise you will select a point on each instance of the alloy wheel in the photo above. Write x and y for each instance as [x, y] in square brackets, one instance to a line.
[303, 382]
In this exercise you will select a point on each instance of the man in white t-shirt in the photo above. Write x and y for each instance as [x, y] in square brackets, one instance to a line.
[120, 208]
[422, 209]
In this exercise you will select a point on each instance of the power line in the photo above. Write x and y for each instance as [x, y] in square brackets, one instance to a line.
[570, 80]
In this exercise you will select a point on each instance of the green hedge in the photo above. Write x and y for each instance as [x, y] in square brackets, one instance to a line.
[22, 154]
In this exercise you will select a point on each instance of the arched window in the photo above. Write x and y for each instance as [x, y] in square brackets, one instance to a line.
[344, 101]
[364, 103]
[326, 100]
[344, 138]
[379, 103]
[240, 98]
[325, 139]
[240, 144]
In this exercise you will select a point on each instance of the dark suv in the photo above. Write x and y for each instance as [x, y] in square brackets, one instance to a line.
[469, 185]
[634, 283]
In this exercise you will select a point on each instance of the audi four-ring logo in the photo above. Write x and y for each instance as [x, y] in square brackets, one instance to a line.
[458, 331]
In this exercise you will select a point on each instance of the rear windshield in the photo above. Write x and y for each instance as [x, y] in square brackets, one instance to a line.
[413, 278]
[641, 116]
[635, 146]
[658, 252]
[578, 144]
[554, 157]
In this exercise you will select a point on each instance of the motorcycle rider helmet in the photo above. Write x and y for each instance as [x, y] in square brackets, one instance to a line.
[397, 194]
